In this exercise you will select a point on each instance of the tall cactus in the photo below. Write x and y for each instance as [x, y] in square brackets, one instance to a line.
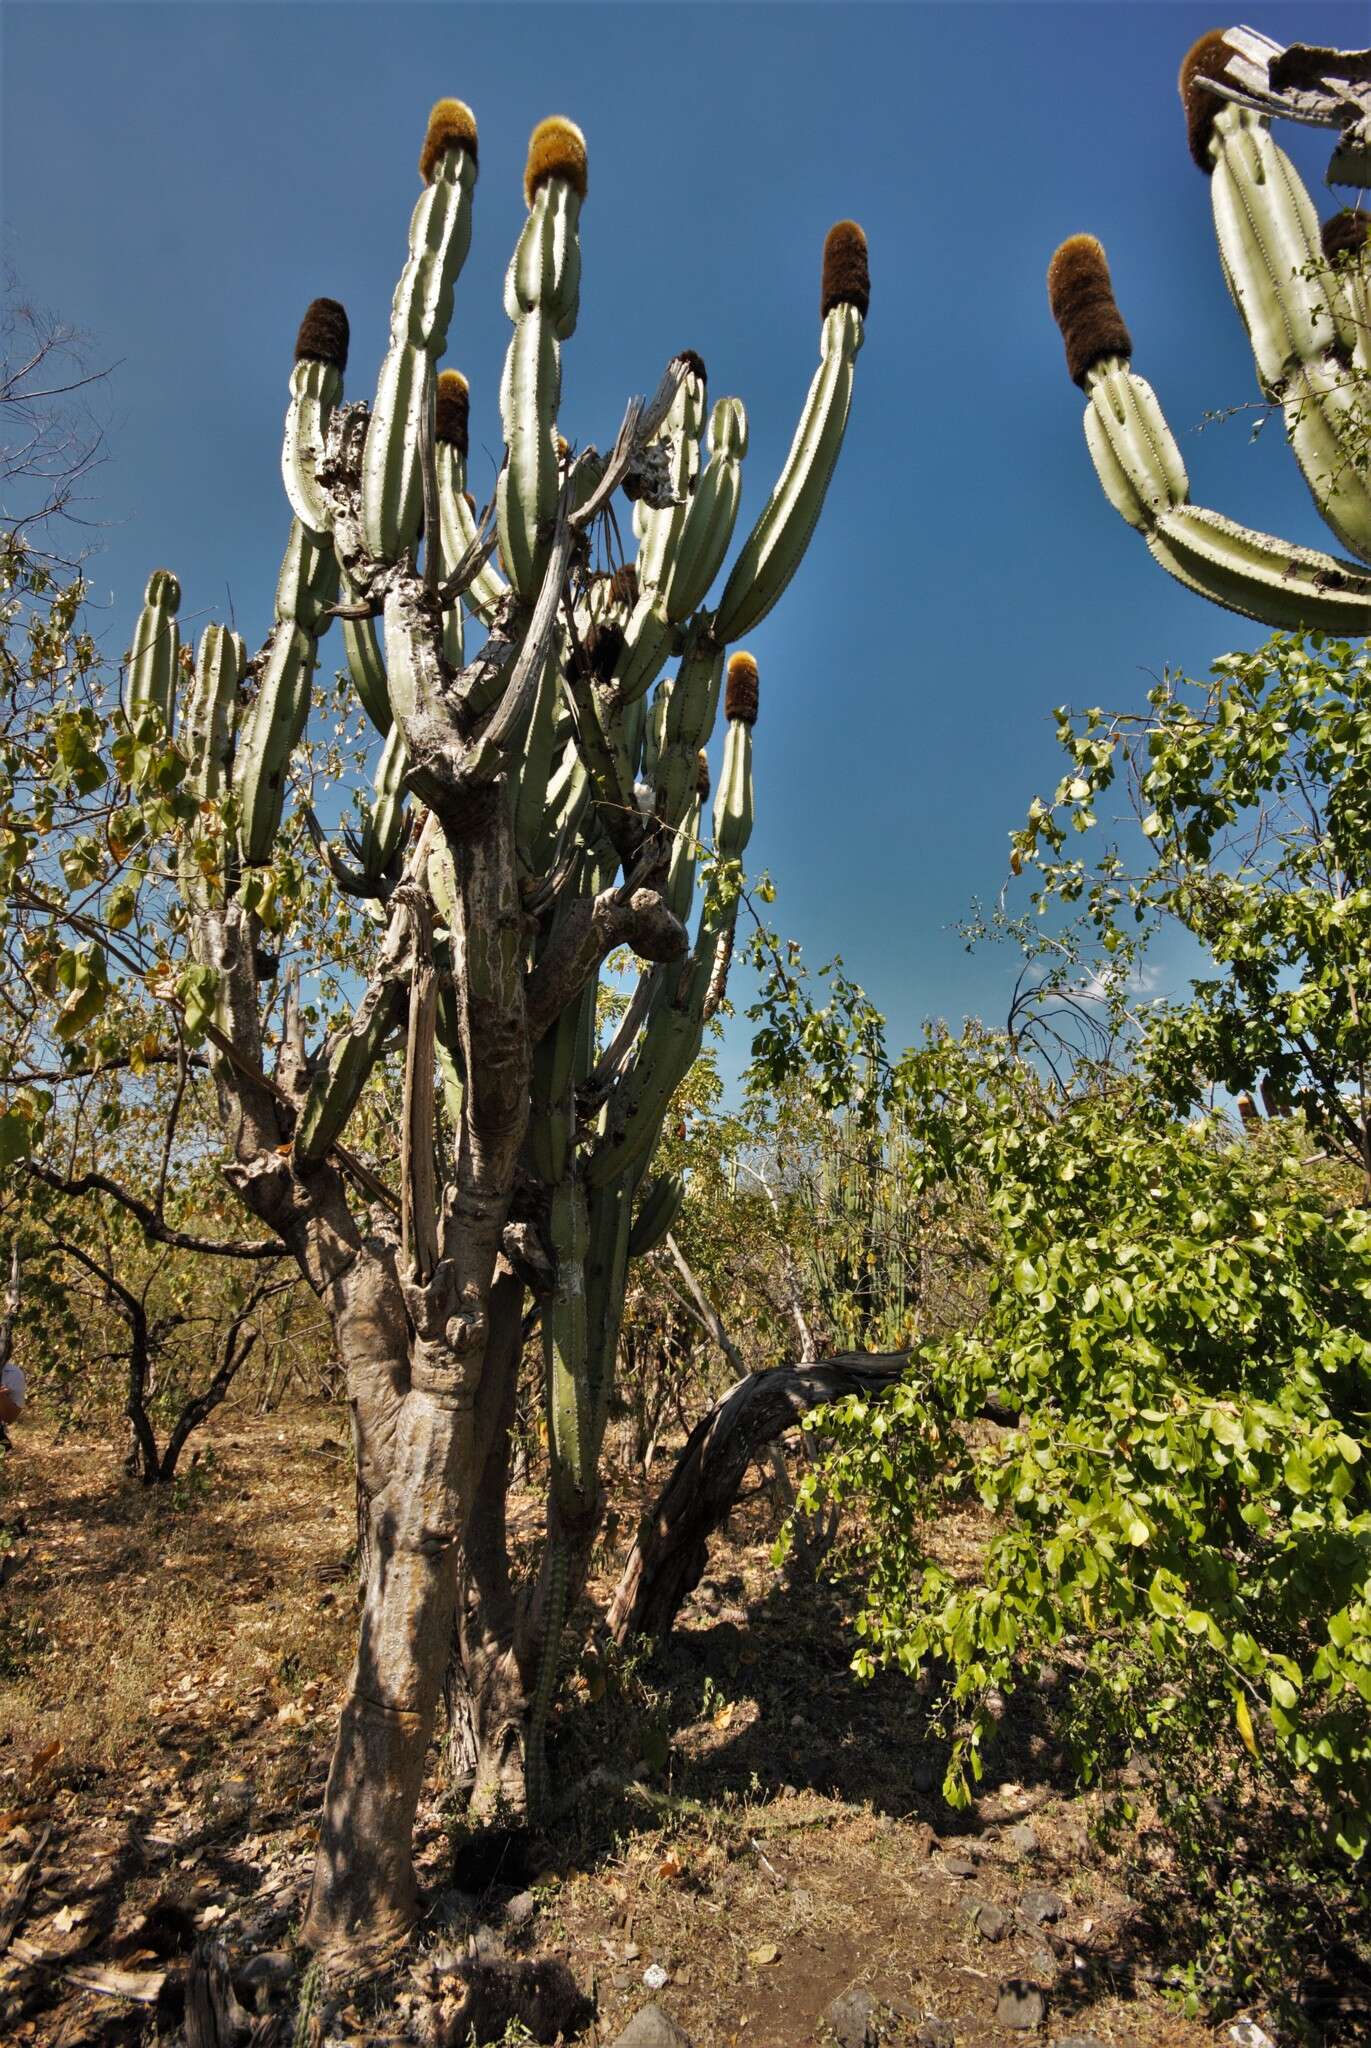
[1302, 294]
[536, 805]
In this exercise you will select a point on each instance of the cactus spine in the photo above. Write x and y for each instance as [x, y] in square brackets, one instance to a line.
[1301, 321]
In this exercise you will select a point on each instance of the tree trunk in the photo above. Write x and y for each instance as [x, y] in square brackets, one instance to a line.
[666, 1562]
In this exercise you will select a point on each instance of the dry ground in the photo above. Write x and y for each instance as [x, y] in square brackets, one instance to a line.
[748, 1819]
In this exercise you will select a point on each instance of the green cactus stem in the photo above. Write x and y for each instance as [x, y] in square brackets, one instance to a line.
[305, 589]
[708, 526]
[439, 236]
[542, 297]
[661, 1203]
[1140, 467]
[154, 658]
[776, 545]
[316, 385]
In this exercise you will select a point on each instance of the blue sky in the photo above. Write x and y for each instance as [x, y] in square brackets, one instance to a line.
[181, 179]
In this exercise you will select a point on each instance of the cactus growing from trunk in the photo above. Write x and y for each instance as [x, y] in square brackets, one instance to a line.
[537, 804]
[1303, 296]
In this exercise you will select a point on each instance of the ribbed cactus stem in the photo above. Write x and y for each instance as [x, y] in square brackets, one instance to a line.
[439, 236]
[776, 545]
[545, 1682]
[542, 296]
[306, 587]
[316, 385]
[154, 658]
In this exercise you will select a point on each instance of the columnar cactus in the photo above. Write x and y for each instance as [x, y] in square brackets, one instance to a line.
[1302, 294]
[536, 805]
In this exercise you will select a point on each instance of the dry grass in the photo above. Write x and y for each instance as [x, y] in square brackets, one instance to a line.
[743, 1815]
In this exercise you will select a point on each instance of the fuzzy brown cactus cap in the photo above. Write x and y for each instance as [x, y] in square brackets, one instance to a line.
[846, 271]
[1082, 300]
[741, 689]
[323, 336]
[1208, 58]
[702, 776]
[694, 363]
[1345, 234]
[452, 410]
[556, 149]
[451, 125]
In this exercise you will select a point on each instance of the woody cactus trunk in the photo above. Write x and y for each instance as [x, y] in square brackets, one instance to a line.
[539, 802]
[1304, 294]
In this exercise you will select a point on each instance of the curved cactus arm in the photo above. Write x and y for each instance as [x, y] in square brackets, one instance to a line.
[153, 661]
[542, 296]
[776, 545]
[708, 526]
[336, 1088]
[439, 236]
[661, 1203]
[366, 665]
[305, 590]
[1140, 468]
[316, 386]
[1299, 324]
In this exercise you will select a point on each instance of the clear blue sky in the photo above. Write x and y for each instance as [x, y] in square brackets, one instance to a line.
[181, 179]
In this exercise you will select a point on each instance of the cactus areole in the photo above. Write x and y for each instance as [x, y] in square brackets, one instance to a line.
[541, 798]
[1304, 295]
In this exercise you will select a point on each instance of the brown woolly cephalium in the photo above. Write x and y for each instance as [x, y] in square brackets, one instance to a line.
[623, 585]
[451, 125]
[604, 645]
[741, 689]
[1208, 58]
[1345, 234]
[694, 363]
[846, 271]
[452, 410]
[702, 776]
[323, 336]
[1082, 301]
[556, 149]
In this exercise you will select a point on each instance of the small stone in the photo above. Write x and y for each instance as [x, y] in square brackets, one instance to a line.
[655, 1977]
[789, 1792]
[852, 2017]
[989, 1922]
[935, 2033]
[520, 1910]
[1020, 2005]
[958, 1865]
[1043, 1964]
[1022, 1838]
[652, 2028]
[1042, 1908]
[489, 1947]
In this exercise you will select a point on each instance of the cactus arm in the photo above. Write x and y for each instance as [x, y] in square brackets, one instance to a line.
[1299, 324]
[708, 525]
[386, 823]
[688, 721]
[315, 389]
[210, 717]
[773, 550]
[659, 528]
[336, 1088]
[1140, 468]
[487, 591]
[366, 666]
[439, 236]
[660, 1205]
[153, 659]
[305, 589]
[541, 298]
